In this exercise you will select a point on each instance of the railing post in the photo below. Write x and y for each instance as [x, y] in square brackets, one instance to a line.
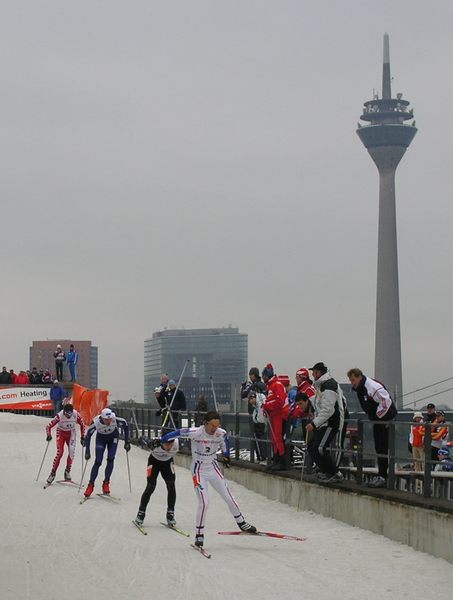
[252, 440]
[427, 469]
[359, 474]
[391, 452]
[236, 436]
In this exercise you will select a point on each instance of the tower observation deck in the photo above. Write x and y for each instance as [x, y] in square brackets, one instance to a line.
[386, 136]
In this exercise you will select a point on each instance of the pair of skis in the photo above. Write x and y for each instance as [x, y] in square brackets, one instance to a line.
[62, 482]
[173, 527]
[271, 534]
[106, 496]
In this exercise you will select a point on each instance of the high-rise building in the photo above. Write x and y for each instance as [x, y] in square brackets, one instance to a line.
[386, 137]
[41, 357]
[220, 354]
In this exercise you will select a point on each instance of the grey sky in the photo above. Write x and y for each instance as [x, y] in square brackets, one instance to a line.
[196, 164]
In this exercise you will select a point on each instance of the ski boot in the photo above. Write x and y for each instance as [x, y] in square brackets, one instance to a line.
[199, 540]
[140, 517]
[51, 478]
[171, 518]
[246, 527]
[67, 474]
[90, 487]
[106, 487]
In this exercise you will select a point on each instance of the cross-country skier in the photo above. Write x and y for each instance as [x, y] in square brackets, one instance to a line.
[160, 461]
[65, 421]
[207, 440]
[107, 426]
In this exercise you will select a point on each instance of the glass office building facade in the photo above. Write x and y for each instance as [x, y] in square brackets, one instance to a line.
[220, 354]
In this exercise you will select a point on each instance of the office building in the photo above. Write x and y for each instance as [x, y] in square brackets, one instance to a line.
[41, 357]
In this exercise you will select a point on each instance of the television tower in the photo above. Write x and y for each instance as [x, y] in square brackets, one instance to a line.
[386, 137]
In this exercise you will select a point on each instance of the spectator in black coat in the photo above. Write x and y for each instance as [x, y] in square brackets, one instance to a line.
[255, 384]
[5, 377]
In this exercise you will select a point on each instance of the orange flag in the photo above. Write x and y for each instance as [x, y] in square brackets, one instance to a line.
[89, 403]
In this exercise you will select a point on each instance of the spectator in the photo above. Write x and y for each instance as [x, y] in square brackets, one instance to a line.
[72, 360]
[60, 358]
[5, 377]
[378, 405]
[439, 434]
[327, 423]
[41, 375]
[47, 376]
[175, 399]
[259, 429]
[417, 442]
[304, 386]
[277, 409]
[35, 377]
[443, 456]
[12, 375]
[57, 395]
[22, 378]
[430, 414]
[200, 411]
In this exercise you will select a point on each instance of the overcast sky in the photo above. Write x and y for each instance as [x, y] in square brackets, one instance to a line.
[195, 164]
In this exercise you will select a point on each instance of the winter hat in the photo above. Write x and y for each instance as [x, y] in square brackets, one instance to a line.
[319, 366]
[443, 452]
[106, 413]
[172, 382]
[58, 346]
[55, 380]
[157, 389]
[284, 379]
[68, 409]
[303, 372]
[418, 415]
[268, 371]
[254, 371]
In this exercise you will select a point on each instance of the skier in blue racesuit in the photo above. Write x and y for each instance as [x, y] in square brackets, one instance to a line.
[107, 426]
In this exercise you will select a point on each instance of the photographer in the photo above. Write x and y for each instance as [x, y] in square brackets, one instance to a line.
[256, 385]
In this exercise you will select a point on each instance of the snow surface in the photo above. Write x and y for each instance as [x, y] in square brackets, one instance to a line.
[53, 548]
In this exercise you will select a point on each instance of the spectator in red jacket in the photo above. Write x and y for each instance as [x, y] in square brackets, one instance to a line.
[12, 375]
[21, 379]
[277, 409]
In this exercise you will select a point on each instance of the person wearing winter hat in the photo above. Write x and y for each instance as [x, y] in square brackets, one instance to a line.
[66, 421]
[277, 409]
[416, 440]
[60, 359]
[106, 425]
[249, 389]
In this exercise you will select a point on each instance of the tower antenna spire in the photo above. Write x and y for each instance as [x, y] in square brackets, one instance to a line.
[386, 80]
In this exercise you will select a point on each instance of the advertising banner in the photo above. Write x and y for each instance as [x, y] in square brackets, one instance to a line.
[28, 398]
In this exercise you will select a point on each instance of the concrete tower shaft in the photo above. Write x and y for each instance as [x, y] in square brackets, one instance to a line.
[386, 137]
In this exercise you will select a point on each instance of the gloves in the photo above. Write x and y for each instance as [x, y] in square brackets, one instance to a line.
[127, 446]
[227, 461]
[87, 455]
[82, 440]
[48, 438]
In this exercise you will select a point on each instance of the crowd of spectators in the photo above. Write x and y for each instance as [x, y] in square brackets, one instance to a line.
[316, 405]
[33, 377]
[44, 376]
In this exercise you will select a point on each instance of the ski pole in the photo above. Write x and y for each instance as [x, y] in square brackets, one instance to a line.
[213, 394]
[83, 475]
[302, 470]
[174, 396]
[135, 422]
[42, 462]
[128, 471]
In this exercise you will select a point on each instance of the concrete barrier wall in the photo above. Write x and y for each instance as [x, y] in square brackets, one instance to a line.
[423, 529]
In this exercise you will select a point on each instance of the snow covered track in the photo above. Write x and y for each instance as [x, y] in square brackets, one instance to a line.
[53, 548]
